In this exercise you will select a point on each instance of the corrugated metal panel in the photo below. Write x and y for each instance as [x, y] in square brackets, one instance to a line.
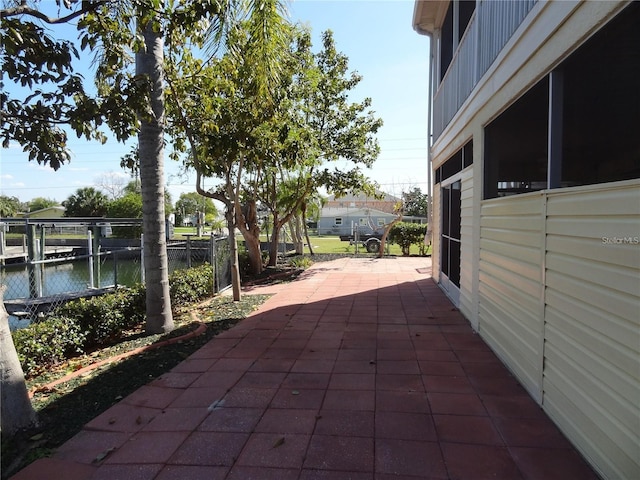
[466, 241]
[510, 291]
[592, 313]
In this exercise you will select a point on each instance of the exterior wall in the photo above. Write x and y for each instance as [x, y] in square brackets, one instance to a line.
[436, 231]
[557, 303]
[326, 225]
[466, 243]
[573, 311]
[592, 323]
[50, 212]
[510, 290]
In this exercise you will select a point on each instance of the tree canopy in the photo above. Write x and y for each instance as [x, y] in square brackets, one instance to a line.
[39, 203]
[86, 202]
[415, 202]
[10, 206]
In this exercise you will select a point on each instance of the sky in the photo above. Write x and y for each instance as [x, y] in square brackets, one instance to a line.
[377, 37]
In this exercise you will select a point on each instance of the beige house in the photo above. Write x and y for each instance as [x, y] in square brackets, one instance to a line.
[49, 212]
[535, 155]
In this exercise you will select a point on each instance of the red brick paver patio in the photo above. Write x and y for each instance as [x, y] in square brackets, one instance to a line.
[361, 369]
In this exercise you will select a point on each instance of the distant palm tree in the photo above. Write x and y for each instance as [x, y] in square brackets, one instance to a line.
[86, 202]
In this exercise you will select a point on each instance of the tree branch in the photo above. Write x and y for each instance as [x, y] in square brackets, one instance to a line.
[25, 9]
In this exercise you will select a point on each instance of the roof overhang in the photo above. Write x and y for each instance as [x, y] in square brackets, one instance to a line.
[428, 15]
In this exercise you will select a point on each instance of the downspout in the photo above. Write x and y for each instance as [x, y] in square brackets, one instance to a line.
[428, 240]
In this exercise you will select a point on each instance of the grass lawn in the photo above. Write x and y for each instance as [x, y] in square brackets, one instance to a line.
[324, 244]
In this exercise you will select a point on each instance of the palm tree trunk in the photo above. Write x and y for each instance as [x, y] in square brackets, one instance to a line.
[149, 63]
[16, 410]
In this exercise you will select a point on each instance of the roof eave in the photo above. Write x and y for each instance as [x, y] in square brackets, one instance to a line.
[428, 15]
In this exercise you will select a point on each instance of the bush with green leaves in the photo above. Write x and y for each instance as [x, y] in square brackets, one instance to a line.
[48, 343]
[191, 284]
[303, 262]
[82, 325]
[104, 318]
[406, 234]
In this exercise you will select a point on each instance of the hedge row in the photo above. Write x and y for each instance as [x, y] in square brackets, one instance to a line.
[83, 325]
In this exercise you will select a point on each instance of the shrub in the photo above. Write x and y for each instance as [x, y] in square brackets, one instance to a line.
[301, 262]
[192, 284]
[81, 325]
[48, 343]
[104, 318]
[406, 234]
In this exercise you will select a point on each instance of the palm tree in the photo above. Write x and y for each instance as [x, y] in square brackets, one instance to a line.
[149, 64]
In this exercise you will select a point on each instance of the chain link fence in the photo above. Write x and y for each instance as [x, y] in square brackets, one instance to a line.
[42, 269]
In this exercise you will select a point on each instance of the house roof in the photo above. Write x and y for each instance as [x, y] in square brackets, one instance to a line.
[363, 198]
[428, 15]
[55, 211]
[352, 212]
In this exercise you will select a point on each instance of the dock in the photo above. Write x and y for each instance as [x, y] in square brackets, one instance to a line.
[18, 254]
[20, 307]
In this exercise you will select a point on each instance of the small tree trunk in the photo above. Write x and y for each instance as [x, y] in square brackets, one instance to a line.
[305, 227]
[247, 222]
[17, 412]
[273, 247]
[233, 250]
[296, 233]
[387, 229]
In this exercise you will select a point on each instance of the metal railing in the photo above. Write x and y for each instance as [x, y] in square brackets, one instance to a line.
[40, 276]
[490, 28]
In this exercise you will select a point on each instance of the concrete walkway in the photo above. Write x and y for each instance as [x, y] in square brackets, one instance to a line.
[360, 369]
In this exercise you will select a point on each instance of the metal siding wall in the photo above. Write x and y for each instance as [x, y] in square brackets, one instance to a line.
[466, 240]
[435, 233]
[510, 291]
[592, 312]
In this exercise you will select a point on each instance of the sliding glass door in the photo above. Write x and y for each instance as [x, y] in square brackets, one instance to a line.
[450, 239]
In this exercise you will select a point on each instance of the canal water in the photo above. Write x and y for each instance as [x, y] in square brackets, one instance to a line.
[72, 276]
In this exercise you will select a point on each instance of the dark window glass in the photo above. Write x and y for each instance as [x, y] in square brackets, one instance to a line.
[446, 42]
[454, 263]
[456, 198]
[516, 146]
[601, 108]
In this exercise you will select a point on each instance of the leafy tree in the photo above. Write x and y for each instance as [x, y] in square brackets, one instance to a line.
[40, 203]
[129, 102]
[192, 202]
[217, 105]
[132, 187]
[52, 99]
[10, 206]
[317, 125]
[127, 206]
[415, 202]
[86, 202]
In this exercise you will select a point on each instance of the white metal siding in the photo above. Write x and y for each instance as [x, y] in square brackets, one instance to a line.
[510, 291]
[466, 241]
[437, 228]
[560, 288]
[592, 314]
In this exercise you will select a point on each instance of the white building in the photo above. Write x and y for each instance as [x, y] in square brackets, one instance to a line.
[535, 155]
